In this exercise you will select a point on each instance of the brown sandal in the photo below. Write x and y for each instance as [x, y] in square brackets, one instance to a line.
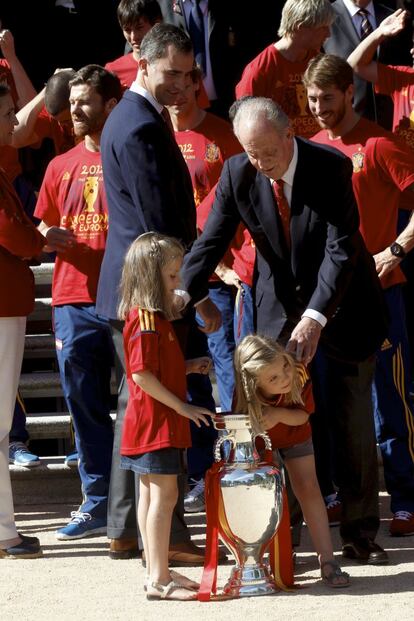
[329, 579]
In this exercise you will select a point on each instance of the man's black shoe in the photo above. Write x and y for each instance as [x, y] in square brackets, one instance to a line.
[365, 551]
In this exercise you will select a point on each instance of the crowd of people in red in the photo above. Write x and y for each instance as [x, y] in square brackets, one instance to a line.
[183, 222]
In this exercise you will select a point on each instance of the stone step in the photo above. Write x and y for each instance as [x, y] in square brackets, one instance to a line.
[46, 425]
[51, 482]
[42, 310]
[43, 273]
[39, 346]
[41, 384]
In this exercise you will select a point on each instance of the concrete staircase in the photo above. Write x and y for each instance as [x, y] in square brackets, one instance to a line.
[47, 417]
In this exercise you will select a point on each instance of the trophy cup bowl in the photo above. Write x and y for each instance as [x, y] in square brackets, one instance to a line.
[252, 501]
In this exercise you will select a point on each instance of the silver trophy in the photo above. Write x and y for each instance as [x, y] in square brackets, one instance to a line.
[252, 498]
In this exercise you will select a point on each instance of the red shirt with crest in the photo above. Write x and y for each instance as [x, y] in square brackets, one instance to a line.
[151, 344]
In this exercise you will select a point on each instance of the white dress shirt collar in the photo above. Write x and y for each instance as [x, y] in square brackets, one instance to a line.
[353, 8]
[137, 88]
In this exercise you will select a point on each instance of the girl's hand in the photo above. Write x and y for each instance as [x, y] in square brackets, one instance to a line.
[195, 413]
[198, 365]
[270, 416]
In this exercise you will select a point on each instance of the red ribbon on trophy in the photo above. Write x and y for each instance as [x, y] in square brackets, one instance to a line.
[280, 546]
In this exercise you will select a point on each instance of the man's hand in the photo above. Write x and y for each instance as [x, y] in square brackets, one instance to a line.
[304, 340]
[385, 262]
[228, 276]
[393, 24]
[210, 315]
[7, 45]
[198, 365]
[59, 239]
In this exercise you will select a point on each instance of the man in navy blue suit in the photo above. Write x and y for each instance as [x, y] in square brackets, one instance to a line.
[148, 188]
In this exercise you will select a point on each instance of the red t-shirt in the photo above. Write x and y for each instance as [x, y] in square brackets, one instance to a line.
[270, 74]
[398, 83]
[125, 67]
[73, 196]
[151, 344]
[383, 168]
[284, 436]
[62, 135]
[205, 149]
[19, 239]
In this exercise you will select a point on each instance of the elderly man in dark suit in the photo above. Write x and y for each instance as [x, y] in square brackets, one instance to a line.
[315, 283]
[148, 188]
[356, 19]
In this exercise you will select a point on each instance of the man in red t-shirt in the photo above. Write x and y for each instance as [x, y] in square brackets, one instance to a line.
[277, 71]
[136, 18]
[395, 81]
[72, 207]
[383, 168]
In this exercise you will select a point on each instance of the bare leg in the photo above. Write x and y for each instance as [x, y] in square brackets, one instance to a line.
[305, 486]
[143, 506]
[163, 494]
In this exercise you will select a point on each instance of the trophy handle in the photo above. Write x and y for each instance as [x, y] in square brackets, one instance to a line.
[267, 440]
[218, 444]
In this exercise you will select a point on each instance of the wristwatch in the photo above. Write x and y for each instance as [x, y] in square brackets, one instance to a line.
[397, 250]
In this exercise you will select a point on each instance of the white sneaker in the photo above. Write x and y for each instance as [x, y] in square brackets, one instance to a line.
[194, 501]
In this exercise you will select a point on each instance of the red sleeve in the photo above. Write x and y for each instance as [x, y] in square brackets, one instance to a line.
[254, 80]
[143, 350]
[47, 202]
[307, 396]
[396, 160]
[393, 78]
[18, 234]
[202, 97]
[307, 392]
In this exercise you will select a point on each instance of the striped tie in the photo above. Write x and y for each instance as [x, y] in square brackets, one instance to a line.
[366, 27]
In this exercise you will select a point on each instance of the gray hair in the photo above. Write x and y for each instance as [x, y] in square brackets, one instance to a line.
[251, 108]
[156, 42]
[308, 13]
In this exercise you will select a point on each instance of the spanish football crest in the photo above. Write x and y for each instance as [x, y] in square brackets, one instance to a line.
[212, 153]
[358, 161]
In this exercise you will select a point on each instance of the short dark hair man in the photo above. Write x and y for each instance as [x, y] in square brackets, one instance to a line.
[148, 188]
[73, 210]
[383, 168]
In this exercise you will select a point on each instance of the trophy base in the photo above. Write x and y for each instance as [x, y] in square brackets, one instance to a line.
[250, 581]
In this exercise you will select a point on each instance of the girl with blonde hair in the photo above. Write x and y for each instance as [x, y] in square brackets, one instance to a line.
[156, 427]
[276, 393]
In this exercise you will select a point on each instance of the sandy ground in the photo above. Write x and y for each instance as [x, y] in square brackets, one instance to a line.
[77, 580]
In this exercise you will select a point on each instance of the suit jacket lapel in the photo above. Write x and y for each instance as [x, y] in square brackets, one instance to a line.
[347, 25]
[299, 212]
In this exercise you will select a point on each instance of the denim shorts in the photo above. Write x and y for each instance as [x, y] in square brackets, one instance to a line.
[163, 461]
[303, 449]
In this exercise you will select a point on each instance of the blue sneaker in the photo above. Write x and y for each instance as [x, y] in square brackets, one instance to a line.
[81, 525]
[19, 455]
[72, 459]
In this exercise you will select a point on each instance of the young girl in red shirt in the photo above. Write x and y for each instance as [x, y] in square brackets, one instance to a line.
[276, 393]
[156, 427]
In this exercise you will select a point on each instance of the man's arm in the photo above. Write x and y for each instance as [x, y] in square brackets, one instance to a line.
[385, 261]
[210, 247]
[25, 134]
[24, 87]
[361, 59]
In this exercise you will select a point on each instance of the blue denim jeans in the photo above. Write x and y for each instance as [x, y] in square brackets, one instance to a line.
[85, 354]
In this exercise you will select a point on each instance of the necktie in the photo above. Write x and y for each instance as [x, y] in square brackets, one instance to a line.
[197, 34]
[166, 116]
[366, 27]
[283, 207]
